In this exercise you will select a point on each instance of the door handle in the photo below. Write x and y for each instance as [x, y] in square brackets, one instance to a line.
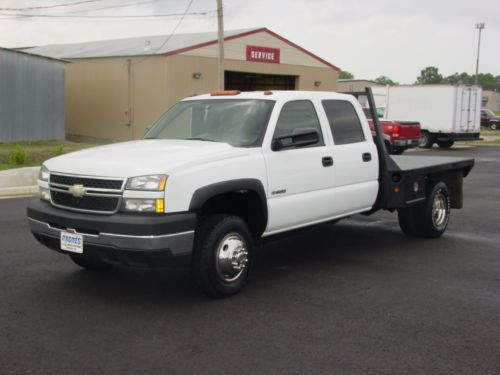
[367, 156]
[327, 161]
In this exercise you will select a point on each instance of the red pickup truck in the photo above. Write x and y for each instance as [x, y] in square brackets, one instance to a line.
[489, 118]
[398, 135]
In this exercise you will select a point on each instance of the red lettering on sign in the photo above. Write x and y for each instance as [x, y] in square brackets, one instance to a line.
[263, 54]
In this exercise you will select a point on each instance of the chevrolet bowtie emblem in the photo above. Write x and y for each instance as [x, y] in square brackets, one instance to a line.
[77, 191]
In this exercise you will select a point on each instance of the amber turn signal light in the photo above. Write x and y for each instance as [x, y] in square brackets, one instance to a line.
[224, 93]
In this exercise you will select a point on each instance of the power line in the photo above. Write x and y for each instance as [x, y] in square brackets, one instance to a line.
[138, 3]
[90, 16]
[171, 34]
[51, 6]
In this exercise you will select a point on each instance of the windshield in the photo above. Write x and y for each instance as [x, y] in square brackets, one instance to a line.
[239, 122]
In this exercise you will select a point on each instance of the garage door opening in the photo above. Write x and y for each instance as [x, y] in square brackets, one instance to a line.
[253, 82]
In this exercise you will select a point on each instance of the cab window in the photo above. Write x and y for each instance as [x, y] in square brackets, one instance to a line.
[344, 122]
[296, 116]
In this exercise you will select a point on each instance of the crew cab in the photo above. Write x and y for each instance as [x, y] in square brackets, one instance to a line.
[488, 118]
[220, 173]
[398, 135]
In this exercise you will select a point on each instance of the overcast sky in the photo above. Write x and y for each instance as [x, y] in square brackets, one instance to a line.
[369, 38]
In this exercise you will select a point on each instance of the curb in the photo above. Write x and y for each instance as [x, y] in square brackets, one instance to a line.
[19, 192]
[18, 182]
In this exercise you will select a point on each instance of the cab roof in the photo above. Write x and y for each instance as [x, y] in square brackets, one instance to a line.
[271, 95]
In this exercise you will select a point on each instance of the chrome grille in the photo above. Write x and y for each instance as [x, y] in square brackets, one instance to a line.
[87, 202]
[88, 182]
[103, 195]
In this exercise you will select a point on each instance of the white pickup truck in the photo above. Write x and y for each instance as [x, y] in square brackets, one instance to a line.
[219, 172]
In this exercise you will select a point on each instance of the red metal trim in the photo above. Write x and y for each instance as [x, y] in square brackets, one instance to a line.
[263, 29]
[301, 49]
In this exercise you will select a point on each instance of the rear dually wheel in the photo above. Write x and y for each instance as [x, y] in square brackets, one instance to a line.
[429, 219]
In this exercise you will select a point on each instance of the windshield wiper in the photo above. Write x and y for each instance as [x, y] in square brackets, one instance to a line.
[200, 139]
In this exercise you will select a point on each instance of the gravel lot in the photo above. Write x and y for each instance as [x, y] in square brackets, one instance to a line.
[354, 298]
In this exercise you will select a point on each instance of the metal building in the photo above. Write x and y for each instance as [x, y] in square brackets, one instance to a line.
[31, 97]
[117, 88]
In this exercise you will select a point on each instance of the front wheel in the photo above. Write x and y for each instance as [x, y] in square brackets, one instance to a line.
[429, 219]
[426, 140]
[494, 126]
[223, 252]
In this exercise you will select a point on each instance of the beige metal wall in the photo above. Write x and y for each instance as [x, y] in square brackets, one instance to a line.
[103, 95]
[118, 98]
[356, 85]
[491, 100]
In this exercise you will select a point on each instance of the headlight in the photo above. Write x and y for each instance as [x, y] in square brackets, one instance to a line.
[144, 205]
[155, 182]
[44, 173]
[44, 193]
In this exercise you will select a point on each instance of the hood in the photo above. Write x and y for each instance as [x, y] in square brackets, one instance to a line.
[138, 158]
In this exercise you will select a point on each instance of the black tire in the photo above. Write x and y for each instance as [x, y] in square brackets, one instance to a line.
[407, 221]
[494, 126]
[206, 270]
[426, 140]
[425, 220]
[90, 263]
[388, 147]
[446, 144]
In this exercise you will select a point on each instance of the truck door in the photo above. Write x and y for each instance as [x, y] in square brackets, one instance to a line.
[355, 158]
[300, 179]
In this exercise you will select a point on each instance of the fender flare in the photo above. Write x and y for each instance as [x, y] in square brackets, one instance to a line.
[203, 194]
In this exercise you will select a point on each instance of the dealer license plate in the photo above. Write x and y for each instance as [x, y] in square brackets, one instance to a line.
[72, 242]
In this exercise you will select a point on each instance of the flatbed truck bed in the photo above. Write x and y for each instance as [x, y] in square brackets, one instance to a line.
[407, 181]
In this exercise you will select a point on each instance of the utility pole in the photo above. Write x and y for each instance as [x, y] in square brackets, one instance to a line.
[480, 27]
[220, 30]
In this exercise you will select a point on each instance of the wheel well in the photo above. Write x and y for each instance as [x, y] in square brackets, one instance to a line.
[454, 183]
[246, 204]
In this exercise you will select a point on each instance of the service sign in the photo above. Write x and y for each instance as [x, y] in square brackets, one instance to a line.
[263, 54]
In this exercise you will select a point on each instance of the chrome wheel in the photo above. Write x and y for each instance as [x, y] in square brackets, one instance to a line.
[494, 126]
[231, 257]
[440, 210]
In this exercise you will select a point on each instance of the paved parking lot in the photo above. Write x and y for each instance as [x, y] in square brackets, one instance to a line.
[354, 298]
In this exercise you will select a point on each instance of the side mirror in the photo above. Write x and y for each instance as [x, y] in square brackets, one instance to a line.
[300, 138]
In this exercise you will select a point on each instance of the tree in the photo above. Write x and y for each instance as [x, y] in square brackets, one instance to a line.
[344, 74]
[384, 80]
[487, 80]
[460, 78]
[429, 75]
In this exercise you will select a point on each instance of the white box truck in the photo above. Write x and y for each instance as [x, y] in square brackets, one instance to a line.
[447, 113]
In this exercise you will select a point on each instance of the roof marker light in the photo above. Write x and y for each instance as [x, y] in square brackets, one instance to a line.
[224, 93]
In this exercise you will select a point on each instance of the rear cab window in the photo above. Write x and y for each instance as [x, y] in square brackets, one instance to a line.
[344, 122]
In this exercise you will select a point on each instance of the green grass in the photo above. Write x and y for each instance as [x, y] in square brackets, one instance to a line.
[493, 142]
[493, 133]
[38, 152]
[497, 113]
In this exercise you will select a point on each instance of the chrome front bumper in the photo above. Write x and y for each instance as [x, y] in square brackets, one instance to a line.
[130, 240]
[178, 243]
